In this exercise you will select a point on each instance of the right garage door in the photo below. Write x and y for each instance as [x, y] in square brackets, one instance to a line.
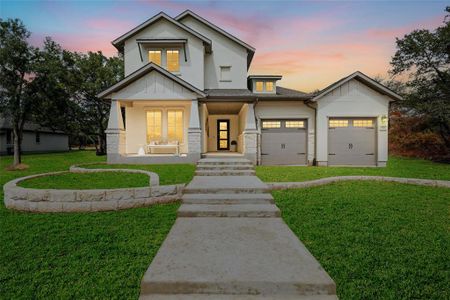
[352, 141]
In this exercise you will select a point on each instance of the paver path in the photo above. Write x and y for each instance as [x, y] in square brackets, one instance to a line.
[229, 242]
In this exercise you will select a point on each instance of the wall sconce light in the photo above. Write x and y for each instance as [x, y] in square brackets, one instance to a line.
[384, 120]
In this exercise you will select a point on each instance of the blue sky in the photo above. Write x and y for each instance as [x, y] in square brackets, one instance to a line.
[311, 43]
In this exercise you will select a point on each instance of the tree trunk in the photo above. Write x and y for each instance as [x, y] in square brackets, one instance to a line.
[17, 148]
[101, 145]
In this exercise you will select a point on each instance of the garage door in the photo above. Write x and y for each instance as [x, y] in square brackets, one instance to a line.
[351, 141]
[283, 142]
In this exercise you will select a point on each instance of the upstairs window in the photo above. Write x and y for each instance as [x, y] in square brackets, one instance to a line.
[154, 56]
[259, 86]
[269, 86]
[173, 60]
[225, 73]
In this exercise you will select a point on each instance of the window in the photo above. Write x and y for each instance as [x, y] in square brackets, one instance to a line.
[362, 123]
[173, 60]
[259, 86]
[154, 126]
[295, 124]
[225, 73]
[154, 56]
[271, 124]
[338, 123]
[38, 138]
[175, 125]
[269, 86]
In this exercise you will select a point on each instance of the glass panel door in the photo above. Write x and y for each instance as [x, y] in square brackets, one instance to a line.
[223, 134]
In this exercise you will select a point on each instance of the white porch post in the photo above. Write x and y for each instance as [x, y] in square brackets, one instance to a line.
[115, 133]
[250, 134]
[194, 133]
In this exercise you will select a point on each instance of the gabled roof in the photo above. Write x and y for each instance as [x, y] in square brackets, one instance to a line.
[362, 78]
[119, 42]
[251, 50]
[143, 71]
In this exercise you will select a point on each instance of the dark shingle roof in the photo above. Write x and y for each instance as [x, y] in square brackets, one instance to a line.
[281, 93]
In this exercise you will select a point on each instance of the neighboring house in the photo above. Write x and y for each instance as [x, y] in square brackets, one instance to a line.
[186, 90]
[35, 138]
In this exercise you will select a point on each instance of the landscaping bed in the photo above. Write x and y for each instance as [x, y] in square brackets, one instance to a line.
[376, 240]
[101, 180]
[396, 167]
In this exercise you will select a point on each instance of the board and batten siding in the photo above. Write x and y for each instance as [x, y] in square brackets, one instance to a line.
[289, 110]
[352, 99]
[191, 70]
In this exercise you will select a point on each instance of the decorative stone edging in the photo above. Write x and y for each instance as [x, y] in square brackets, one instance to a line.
[327, 180]
[55, 200]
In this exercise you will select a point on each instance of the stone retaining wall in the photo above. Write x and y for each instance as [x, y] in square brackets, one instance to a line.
[323, 181]
[55, 200]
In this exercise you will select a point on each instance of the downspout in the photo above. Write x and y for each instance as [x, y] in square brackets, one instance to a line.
[258, 136]
[307, 103]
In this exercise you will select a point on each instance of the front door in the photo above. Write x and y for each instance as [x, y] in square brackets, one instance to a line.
[223, 134]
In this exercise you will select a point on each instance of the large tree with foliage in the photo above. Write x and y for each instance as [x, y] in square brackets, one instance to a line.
[96, 72]
[425, 56]
[17, 63]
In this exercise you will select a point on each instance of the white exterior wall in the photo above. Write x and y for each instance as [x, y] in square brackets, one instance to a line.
[136, 122]
[190, 71]
[225, 52]
[212, 121]
[289, 110]
[352, 99]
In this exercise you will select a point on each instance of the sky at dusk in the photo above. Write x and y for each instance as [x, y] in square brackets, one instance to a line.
[310, 43]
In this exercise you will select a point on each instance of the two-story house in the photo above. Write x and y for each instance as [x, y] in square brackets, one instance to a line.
[187, 94]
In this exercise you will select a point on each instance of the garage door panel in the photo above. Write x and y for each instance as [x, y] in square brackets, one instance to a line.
[352, 145]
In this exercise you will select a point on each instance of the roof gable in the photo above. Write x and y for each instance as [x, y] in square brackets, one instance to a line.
[119, 42]
[365, 80]
[133, 77]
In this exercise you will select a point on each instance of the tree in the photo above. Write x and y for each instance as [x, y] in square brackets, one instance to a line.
[425, 56]
[17, 61]
[96, 73]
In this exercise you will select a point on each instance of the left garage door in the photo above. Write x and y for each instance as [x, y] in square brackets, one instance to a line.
[283, 142]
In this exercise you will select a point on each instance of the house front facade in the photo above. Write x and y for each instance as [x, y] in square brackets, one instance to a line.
[187, 94]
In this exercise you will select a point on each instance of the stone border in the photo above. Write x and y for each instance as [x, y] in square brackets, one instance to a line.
[327, 180]
[91, 200]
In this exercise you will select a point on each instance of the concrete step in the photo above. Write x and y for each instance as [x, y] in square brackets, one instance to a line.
[235, 256]
[227, 198]
[226, 185]
[229, 210]
[225, 190]
[223, 161]
[225, 172]
[225, 167]
[235, 297]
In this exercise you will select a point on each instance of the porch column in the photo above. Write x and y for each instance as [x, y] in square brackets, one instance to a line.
[115, 133]
[250, 134]
[194, 133]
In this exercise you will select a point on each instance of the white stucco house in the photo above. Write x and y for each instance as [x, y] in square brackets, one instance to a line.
[187, 94]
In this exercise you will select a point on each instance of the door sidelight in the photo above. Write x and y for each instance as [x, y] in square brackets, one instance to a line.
[350, 146]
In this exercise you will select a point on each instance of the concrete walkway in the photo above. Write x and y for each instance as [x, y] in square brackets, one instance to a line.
[229, 242]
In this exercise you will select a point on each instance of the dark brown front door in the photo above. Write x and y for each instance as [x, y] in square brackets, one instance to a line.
[223, 134]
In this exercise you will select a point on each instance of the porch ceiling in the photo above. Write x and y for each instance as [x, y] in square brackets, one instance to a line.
[224, 108]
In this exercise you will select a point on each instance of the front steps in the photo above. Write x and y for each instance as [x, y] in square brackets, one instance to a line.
[229, 242]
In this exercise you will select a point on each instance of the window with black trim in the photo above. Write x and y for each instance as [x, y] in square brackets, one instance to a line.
[38, 137]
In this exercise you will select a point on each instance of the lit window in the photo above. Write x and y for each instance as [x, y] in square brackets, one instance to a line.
[259, 85]
[154, 56]
[295, 124]
[271, 124]
[153, 126]
[338, 123]
[362, 123]
[225, 73]
[175, 125]
[269, 86]
[173, 60]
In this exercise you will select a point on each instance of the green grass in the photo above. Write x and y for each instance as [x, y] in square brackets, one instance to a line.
[397, 167]
[168, 174]
[103, 180]
[376, 240]
[83, 255]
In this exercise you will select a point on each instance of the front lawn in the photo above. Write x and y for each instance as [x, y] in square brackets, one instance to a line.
[397, 167]
[76, 255]
[376, 240]
[102, 180]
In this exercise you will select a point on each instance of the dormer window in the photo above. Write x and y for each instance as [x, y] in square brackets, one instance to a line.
[259, 86]
[154, 56]
[173, 60]
[263, 84]
[269, 86]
